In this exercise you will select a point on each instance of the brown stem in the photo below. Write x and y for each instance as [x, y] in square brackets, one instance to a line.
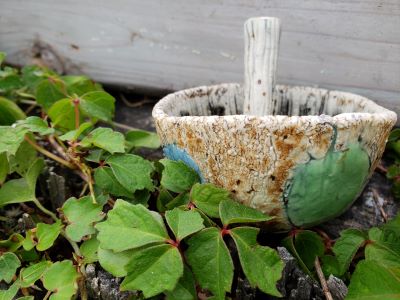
[321, 277]
[57, 147]
[76, 109]
[49, 154]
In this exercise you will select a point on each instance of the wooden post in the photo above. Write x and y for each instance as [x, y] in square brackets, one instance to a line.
[261, 36]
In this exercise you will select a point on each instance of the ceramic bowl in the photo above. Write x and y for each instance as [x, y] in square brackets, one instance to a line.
[304, 164]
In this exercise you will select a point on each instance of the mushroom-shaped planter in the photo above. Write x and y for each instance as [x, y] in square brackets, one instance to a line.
[301, 154]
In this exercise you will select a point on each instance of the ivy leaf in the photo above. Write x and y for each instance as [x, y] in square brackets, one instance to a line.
[184, 223]
[233, 212]
[177, 176]
[185, 289]
[384, 247]
[4, 167]
[49, 91]
[347, 246]
[33, 273]
[89, 250]
[180, 200]
[261, 265]
[9, 263]
[153, 270]
[10, 139]
[81, 214]
[23, 159]
[114, 262]
[142, 138]
[61, 279]
[9, 112]
[330, 265]
[11, 292]
[162, 199]
[130, 226]
[371, 280]
[73, 135]
[207, 198]
[98, 104]
[23, 189]
[211, 262]
[36, 124]
[308, 245]
[105, 138]
[79, 85]
[62, 114]
[105, 179]
[132, 171]
[13, 242]
[47, 234]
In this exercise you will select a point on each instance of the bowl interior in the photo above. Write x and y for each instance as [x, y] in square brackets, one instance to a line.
[227, 99]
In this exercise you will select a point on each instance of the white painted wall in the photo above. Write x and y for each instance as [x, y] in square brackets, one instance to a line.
[351, 45]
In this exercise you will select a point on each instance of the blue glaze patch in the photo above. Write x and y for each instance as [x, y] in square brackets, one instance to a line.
[173, 152]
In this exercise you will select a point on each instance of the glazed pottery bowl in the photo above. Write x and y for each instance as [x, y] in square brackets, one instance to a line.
[305, 164]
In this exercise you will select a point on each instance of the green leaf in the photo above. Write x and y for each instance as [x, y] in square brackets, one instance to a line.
[185, 289]
[26, 298]
[81, 214]
[371, 280]
[9, 112]
[132, 171]
[330, 265]
[105, 179]
[73, 135]
[10, 139]
[177, 176]
[23, 189]
[79, 84]
[11, 292]
[184, 223]
[33, 273]
[347, 246]
[261, 265]
[233, 212]
[98, 104]
[211, 262]
[13, 242]
[24, 158]
[162, 199]
[105, 138]
[383, 247]
[114, 262]
[36, 124]
[29, 242]
[130, 226]
[47, 234]
[142, 138]
[2, 57]
[49, 91]
[4, 167]
[308, 246]
[207, 198]
[62, 114]
[89, 250]
[9, 263]
[61, 279]
[154, 270]
[180, 200]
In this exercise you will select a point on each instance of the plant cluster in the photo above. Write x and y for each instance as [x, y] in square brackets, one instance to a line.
[151, 222]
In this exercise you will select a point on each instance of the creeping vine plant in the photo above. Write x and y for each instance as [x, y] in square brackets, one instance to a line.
[151, 223]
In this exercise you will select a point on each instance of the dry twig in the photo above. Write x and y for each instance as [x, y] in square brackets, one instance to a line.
[322, 280]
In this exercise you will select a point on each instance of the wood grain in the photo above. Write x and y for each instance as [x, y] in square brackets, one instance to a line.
[349, 45]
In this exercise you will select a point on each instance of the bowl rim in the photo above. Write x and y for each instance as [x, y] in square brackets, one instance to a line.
[381, 114]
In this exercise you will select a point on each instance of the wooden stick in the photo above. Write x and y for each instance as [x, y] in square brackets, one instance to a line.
[321, 277]
[261, 38]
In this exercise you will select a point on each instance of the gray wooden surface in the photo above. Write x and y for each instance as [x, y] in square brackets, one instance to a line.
[351, 45]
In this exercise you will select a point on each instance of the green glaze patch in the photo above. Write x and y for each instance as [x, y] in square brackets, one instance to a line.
[324, 188]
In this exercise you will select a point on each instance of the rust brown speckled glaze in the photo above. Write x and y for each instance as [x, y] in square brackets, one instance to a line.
[316, 142]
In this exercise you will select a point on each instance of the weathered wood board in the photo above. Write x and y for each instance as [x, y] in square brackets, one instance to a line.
[349, 45]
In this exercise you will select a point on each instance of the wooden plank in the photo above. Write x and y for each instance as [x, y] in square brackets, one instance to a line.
[349, 45]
